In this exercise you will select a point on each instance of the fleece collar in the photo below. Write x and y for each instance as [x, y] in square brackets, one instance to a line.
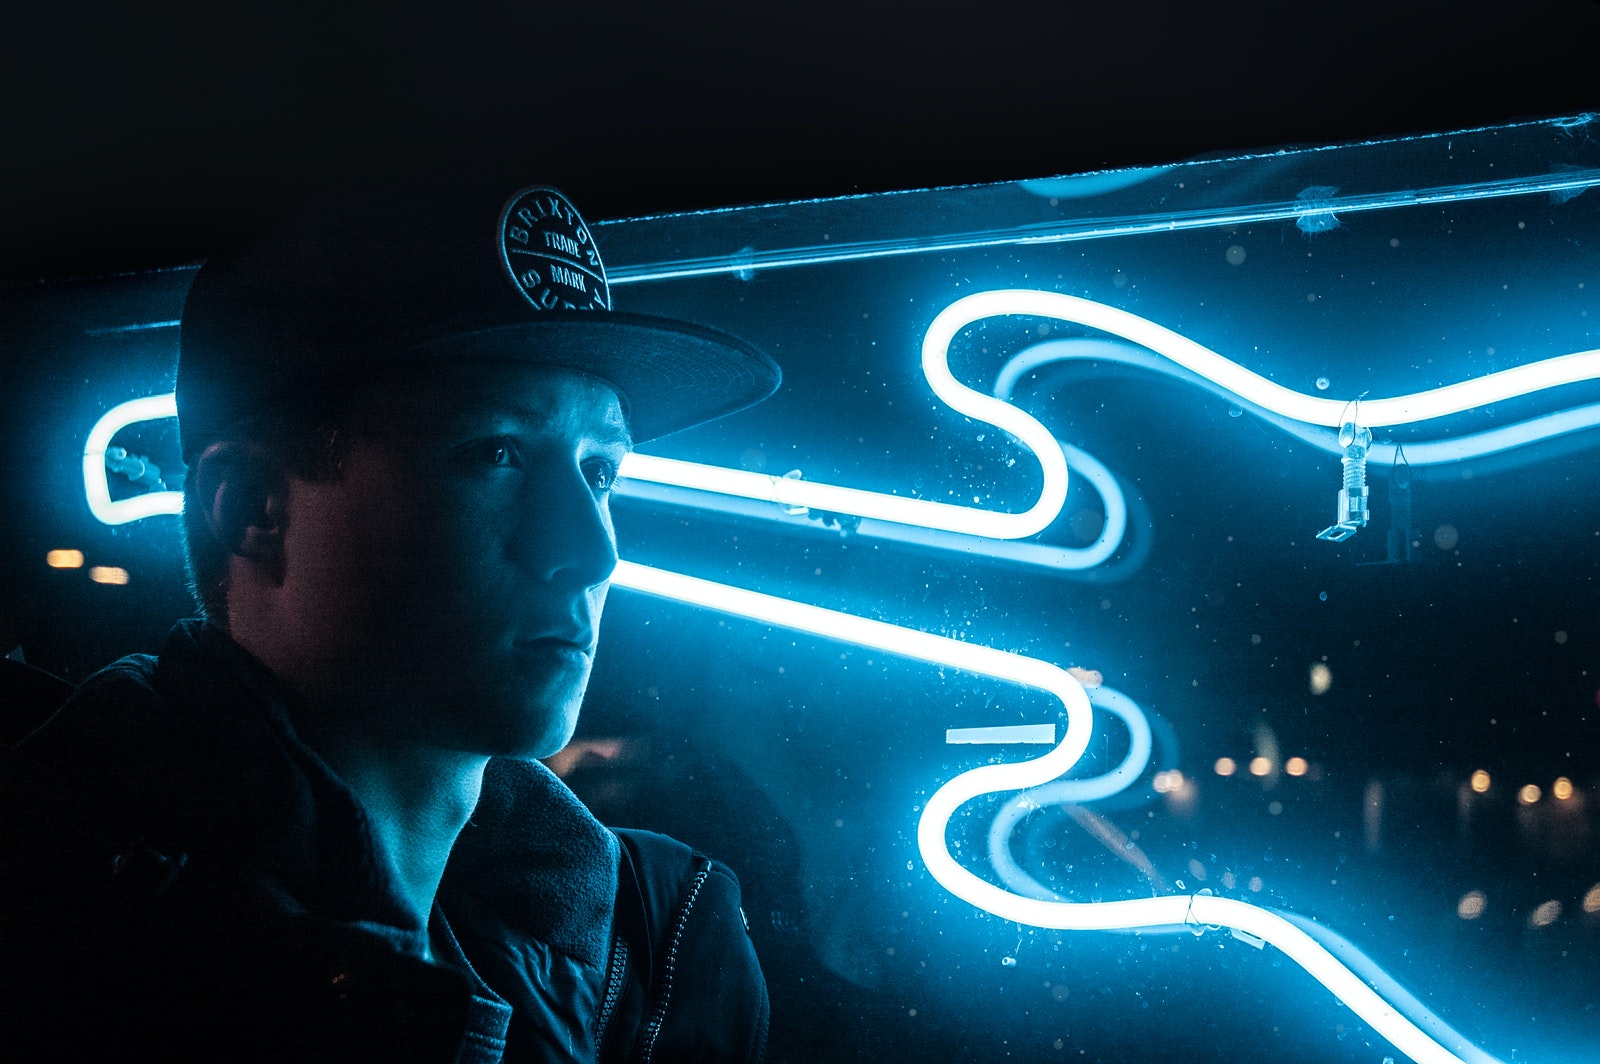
[539, 859]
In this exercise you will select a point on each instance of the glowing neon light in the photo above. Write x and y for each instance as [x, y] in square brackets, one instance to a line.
[1218, 373]
[1417, 453]
[1046, 555]
[1161, 913]
[1254, 388]
[97, 489]
[1039, 734]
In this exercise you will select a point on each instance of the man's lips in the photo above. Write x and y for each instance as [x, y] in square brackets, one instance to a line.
[582, 642]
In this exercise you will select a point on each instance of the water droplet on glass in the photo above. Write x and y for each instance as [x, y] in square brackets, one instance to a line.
[1322, 384]
[1235, 410]
[1008, 962]
[1322, 595]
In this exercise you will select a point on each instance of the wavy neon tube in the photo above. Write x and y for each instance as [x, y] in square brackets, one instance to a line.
[1418, 453]
[1075, 791]
[1140, 914]
[1254, 388]
[97, 489]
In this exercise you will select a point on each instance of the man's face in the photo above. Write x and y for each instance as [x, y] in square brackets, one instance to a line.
[453, 577]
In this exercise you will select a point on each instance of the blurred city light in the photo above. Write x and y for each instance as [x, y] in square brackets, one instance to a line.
[1226, 766]
[1168, 782]
[1472, 905]
[108, 574]
[1260, 766]
[1480, 781]
[1591, 900]
[1562, 788]
[1295, 766]
[64, 559]
[1529, 794]
[1545, 915]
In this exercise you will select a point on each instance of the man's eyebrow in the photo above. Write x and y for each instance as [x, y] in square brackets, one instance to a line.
[499, 410]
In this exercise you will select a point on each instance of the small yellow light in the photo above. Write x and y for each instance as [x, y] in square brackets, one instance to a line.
[1260, 766]
[1545, 914]
[1529, 794]
[1480, 781]
[1226, 766]
[108, 574]
[1561, 788]
[64, 559]
[1319, 678]
[1591, 900]
[1295, 766]
[1168, 782]
[1471, 905]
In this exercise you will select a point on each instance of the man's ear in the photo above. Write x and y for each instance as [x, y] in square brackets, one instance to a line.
[246, 498]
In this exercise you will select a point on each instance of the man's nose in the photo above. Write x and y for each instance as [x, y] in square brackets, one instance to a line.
[565, 534]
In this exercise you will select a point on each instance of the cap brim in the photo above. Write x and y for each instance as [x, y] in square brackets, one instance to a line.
[671, 375]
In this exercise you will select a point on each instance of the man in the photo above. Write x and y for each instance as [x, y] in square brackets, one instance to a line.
[312, 827]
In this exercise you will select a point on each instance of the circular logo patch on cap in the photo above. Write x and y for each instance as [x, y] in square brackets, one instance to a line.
[549, 254]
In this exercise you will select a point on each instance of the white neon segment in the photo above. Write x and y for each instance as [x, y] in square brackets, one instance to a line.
[1417, 452]
[1375, 413]
[1037, 734]
[1144, 913]
[1090, 470]
[97, 489]
[786, 491]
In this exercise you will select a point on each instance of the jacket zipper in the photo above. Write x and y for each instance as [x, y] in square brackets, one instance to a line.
[653, 1031]
[614, 981]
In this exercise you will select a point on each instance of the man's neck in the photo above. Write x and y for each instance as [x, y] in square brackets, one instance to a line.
[417, 800]
[417, 797]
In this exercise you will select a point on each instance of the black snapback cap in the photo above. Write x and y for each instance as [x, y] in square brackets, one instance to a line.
[345, 290]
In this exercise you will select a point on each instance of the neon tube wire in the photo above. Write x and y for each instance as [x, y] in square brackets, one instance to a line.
[1137, 914]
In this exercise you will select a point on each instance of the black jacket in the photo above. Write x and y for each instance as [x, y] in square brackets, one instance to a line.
[179, 873]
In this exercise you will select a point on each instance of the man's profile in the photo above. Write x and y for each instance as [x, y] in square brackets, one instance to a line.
[313, 827]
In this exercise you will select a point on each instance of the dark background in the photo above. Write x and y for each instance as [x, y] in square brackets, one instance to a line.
[140, 139]
[139, 135]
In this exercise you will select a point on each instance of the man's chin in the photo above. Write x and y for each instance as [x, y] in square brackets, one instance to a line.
[538, 730]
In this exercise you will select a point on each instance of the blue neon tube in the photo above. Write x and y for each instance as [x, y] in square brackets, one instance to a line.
[1441, 1046]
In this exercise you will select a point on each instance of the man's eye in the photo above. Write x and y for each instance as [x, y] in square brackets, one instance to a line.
[602, 475]
[496, 451]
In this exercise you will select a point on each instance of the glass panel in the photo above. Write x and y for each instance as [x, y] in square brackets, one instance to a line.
[1268, 759]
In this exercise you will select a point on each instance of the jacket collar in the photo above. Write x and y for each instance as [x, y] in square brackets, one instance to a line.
[531, 850]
